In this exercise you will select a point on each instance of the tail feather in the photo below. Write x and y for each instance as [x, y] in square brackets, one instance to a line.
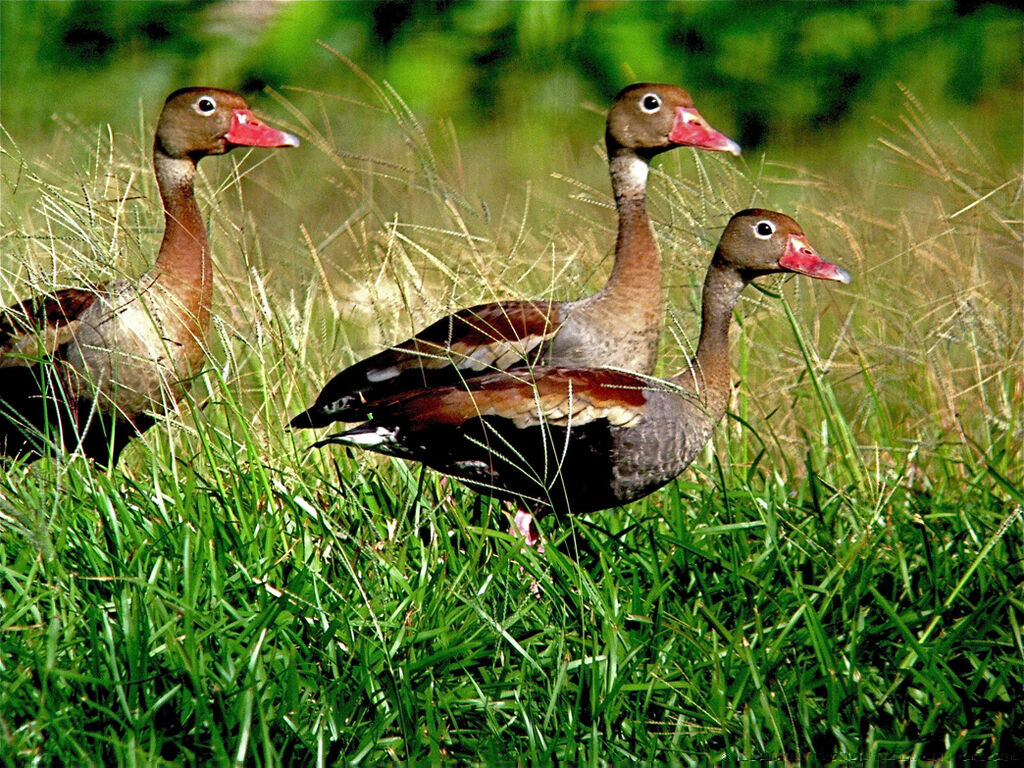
[372, 436]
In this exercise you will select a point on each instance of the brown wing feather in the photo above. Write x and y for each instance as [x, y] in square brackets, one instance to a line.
[35, 401]
[484, 337]
[559, 396]
[41, 324]
[466, 344]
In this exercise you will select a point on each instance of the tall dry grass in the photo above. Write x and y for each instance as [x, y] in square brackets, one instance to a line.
[324, 259]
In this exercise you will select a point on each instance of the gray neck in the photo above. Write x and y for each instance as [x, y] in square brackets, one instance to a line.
[708, 375]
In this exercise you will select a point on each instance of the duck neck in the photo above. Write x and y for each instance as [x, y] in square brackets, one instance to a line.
[629, 307]
[183, 265]
[708, 375]
[636, 275]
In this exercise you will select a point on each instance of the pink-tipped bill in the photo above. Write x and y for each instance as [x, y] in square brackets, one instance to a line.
[692, 130]
[800, 257]
[249, 131]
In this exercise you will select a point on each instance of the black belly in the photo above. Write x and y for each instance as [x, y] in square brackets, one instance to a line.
[35, 413]
[569, 469]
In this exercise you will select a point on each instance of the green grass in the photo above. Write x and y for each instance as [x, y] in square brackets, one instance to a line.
[837, 580]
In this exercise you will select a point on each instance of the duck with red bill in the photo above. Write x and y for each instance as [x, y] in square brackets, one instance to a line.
[578, 439]
[87, 368]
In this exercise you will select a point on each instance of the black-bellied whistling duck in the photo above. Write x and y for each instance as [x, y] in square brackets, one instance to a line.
[88, 366]
[619, 326]
[584, 439]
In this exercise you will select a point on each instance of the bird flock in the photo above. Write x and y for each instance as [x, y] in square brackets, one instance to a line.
[550, 405]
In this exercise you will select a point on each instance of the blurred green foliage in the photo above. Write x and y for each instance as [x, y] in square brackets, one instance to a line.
[800, 78]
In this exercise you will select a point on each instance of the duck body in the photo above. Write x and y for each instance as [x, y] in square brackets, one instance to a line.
[584, 439]
[618, 327]
[88, 368]
[126, 354]
[569, 439]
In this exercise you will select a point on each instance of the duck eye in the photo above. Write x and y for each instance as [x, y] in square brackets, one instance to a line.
[650, 103]
[764, 229]
[205, 106]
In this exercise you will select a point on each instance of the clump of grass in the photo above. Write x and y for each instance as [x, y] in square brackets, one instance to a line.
[837, 579]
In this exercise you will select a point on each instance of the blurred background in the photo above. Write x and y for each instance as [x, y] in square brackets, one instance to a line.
[803, 81]
[502, 95]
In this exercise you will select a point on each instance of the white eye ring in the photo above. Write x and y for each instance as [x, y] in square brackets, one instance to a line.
[205, 105]
[764, 229]
[650, 103]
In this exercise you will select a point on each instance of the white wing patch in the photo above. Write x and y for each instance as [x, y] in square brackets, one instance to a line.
[382, 374]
